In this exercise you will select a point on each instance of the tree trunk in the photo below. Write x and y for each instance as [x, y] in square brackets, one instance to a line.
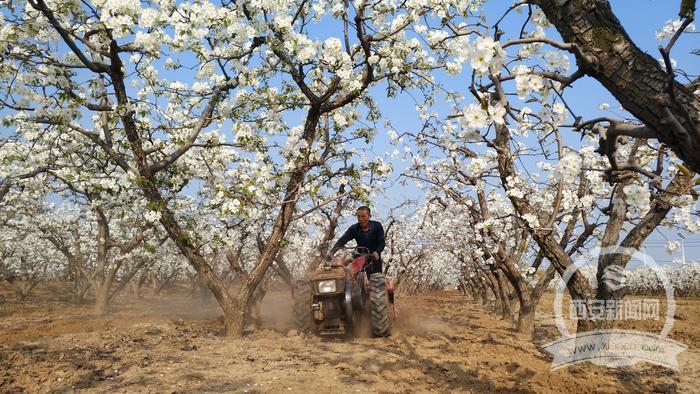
[659, 209]
[159, 288]
[101, 299]
[234, 308]
[329, 232]
[506, 311]
[242, 277]
[22, 289]
[634, 77]
[484, 296]
[165, 282]
[79, 292]
[577, 285]
[476, 289]
[585, 324]
[461, 287]
[282, 222]
[284, 273]
[533, 299]
[234, 319]
[101, 280]
[526, 317]
[139, 285]
[495, 289]
[204, 292]
[256, 304]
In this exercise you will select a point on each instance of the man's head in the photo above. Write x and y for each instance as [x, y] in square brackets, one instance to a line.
[363, 214]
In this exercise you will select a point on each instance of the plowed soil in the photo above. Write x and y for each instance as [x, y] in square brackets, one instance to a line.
[441, 343]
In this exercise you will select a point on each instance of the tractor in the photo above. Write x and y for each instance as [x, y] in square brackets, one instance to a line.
[338, 293]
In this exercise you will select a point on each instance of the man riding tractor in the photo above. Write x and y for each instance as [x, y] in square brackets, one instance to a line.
[367, 233]
[326, 302]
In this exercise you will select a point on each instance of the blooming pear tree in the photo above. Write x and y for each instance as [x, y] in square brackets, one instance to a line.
[107, 68]
[101, 246]
[548, 210]
[427, 251]
[518, 85]
[629, 202]
[460, 177]
[404, 251]
[684, 279]
[663, 107]
[26, 260]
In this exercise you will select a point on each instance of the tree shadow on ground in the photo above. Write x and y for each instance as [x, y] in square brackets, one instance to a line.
[360, 366]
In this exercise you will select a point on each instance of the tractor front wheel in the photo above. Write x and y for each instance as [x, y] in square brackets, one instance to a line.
[302, 306]
[379, 305]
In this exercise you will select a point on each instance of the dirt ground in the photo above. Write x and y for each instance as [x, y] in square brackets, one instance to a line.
[172, 343]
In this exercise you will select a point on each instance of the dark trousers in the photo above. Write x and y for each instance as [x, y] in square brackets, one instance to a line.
[374, 267]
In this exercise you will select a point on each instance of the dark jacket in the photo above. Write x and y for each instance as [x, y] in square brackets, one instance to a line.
[373, 239]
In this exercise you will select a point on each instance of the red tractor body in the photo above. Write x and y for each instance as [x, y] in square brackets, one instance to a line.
[327, 302]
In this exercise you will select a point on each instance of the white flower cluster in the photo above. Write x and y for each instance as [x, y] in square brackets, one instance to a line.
[119, 15]
[381, 167]
[526, 82]
[306, 49]
[149, 17]
[569, 202]
[569, 168]
[670, 28]
[393, 136]
[230, 206]
[685, 213]
[515, 187]
[474, 118]
[531, 220]
[556, 61]
[476, 166]
[637, 198]
[151, 42]
[483, 53]
[152, 216]
[497, 113]
[671, 246]
[527, 51]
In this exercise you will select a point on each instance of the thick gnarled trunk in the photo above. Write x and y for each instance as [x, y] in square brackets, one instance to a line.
[635, 78]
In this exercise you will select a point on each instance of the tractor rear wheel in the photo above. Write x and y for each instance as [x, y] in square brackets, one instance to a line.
[302, 306]
[379, 306]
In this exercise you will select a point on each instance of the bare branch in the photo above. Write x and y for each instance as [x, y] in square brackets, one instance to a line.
[41, 6]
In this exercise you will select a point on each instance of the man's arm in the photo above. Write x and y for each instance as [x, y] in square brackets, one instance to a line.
[380, 237]
[349, 234]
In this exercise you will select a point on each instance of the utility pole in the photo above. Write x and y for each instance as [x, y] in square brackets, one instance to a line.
[682, 246]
